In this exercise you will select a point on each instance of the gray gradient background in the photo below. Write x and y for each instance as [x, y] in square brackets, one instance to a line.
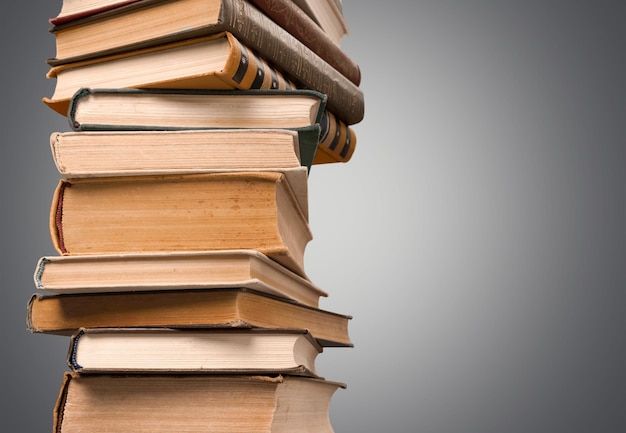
[477, 236]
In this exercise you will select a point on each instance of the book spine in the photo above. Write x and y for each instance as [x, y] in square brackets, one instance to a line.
[41, 264]
[71, 361]
[56, 216]
[59, 405]
[246, 70]
[272, 42]
[337, 141]
[293, 19]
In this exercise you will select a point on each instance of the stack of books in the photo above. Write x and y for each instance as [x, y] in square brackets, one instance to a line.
[181, 216]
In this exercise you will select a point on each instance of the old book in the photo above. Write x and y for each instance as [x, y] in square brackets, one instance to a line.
[201, 351]
[98, 33]
[250, 27]
[193, 403]
[329, 16]
[143, 152]
[173, 271]
[229, 308]
[181, 213]
[167, 109]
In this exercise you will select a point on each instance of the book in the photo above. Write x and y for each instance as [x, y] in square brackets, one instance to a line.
[140, 152]
[100, 403]
[172, 271]
[200, 351]
[97, 34]
[329, 16]
[248, 26]
[169, 109]
[114, 153]
[227, 308]
[179, 213]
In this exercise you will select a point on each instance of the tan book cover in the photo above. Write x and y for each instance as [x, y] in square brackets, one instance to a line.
[172, 271]
[230, 308]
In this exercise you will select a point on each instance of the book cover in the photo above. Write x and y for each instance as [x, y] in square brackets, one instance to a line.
[65, 314]
[173, 271]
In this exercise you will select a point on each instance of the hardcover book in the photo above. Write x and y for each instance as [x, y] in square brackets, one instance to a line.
[143, 152]
[225, 308]
[103, 403]
[173, 271]
[181, 213]
[199, 351]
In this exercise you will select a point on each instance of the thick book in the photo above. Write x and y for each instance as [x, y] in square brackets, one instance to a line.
[168, 109]
[227, 308]
[258, 33]
[181, 213]
[172, 271]
[200, 351]
[98, 33]
[105, 403]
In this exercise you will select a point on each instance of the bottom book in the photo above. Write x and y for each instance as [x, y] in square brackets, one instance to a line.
[193, 403]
